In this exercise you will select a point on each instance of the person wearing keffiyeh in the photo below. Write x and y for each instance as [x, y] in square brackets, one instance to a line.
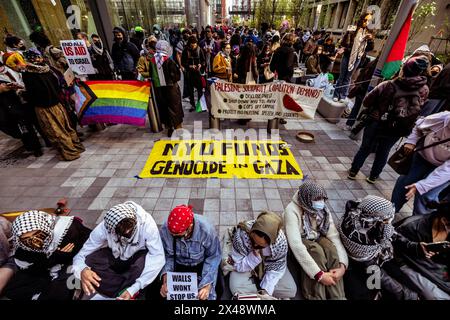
[259, 255]
[315, 243]
[165, 75]
[369, 237]
[44, 246]
[123, 255]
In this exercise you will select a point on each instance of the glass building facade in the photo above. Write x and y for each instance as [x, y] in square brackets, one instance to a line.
[62, 19]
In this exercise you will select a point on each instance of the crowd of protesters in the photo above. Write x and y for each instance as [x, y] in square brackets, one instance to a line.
[303, 252]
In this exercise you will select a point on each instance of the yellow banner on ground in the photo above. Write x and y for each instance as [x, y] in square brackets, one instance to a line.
[245, 159]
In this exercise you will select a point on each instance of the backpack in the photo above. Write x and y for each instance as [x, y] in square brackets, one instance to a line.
[402, 113]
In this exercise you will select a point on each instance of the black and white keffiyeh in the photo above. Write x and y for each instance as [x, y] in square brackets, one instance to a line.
[55, 227]
[366, 230]
[307, 193]
[120, 245]
[243, 245]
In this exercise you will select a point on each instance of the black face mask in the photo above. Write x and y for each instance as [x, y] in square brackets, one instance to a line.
[23, 48]
[185, 37]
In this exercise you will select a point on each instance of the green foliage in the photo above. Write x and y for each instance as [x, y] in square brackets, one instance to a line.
[421, 18]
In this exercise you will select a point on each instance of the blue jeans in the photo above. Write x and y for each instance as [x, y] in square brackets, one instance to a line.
[383, 144]
[343, 82]
[420, 169]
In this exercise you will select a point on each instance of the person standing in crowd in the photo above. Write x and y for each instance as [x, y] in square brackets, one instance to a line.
[194, 62]
[283, 60]
[123, 254]
[311, 44]
[44, 92]
[430, 169]
[14, 44]
[44, 246]
[222, 63]
[125, 55]
[16, 118]
[246, 66]
[427, 272]
[144, 63]
[315, 243]
[367, 234]
[101, 60]
[440, 88]
[313, 63]
[359, 92]
[7, 264]
[165, 76]
[138, 37]
[263, 61]
[259, 258]
[181, 46]
[210, 49]
[191, 244]
[235, 39]
[53, 56]
[354, 44]
[83, 36]
[392, 107]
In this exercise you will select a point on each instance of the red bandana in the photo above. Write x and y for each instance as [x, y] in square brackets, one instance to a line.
[180, 219]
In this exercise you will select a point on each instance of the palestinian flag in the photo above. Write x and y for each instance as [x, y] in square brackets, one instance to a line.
[395, 56]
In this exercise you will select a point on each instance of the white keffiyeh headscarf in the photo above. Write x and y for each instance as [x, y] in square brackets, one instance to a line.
[161, 55]
[55, 227]
[120, 245]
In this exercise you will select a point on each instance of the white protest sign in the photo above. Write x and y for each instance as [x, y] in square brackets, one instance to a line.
[264, 101]
[182, 286]
[77, 56]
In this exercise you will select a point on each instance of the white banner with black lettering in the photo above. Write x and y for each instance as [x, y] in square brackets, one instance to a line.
[182, 286]
[263, 101]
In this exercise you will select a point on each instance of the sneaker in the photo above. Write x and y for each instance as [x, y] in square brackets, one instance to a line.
[282, 121]
[352, 175]
[38, 153]
[335, 99]
[371, 179]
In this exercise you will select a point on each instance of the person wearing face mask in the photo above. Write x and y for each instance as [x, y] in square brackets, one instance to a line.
[315, 244]
[259, 259]
[144, 63]
[181, 234]
[14, 44]
[222, 63]
[181, 45]
[194, 62]
[124, 54]
[122, 256]
[44, 246]
[371, 241]
[313, 62]
[210, 49]
[263, 62]
[101, 60]
[428, 272]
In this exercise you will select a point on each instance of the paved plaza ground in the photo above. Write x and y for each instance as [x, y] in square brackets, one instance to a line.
[105, 176]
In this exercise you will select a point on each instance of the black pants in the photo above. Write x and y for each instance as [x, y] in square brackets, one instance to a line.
[194, 82]
[117, 275]
[24, 285]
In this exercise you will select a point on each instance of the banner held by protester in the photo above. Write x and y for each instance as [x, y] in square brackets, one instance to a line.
[264, 101]
[77, 56]
[246, 159]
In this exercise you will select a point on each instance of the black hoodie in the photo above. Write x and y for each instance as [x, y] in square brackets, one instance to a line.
[125, 54]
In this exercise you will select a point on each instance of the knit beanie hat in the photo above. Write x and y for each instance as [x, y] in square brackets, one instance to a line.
[415, 66]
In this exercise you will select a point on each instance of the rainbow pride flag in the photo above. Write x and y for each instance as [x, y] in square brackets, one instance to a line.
[121, 102]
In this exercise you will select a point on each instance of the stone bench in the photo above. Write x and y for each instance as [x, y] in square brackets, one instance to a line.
[331, 110]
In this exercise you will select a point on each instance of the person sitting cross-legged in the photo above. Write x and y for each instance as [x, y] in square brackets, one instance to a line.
[259, 259]
[315, 244]
[191, 244]
[122, 256]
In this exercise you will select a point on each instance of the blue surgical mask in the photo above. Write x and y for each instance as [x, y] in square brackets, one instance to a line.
[318, 205]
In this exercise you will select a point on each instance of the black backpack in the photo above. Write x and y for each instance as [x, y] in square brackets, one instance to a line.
[402, 113]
